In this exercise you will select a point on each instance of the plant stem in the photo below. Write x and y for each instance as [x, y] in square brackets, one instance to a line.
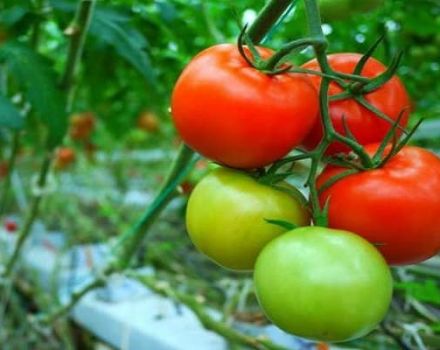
[128, 243]
[11, 166]
[76, 296]
[267, 17]
[81, 24]
[77, 31]
[288, 48]
[32, 214]
[219, 327]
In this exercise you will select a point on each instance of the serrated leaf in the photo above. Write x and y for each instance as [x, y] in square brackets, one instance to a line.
[113, 28]
[36, 78]
[281, 223]
[10, 117]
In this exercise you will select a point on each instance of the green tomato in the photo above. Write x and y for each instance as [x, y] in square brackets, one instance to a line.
[366, 5]
[323, 284]
[226, 214]
[334, 10]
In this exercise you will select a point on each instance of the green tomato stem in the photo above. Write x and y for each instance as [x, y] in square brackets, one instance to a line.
[128, 243]
[32, 214]
[81, 25]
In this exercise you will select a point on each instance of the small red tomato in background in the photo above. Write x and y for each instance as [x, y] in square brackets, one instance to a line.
[4, 169]
[64, 157]
[237, 115]
[391, 99]
[396, 206]
[81, 126]
[10, 225]
[148, 122]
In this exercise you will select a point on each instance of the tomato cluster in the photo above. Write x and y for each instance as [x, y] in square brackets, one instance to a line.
[330, 284]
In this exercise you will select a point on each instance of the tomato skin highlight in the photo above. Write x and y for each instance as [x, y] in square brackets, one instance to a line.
[238, 116]
[391, 99]
[396, 206]
[323, 284]
[226, 215]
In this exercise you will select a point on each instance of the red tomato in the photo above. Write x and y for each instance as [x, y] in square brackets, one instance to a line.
[82, 125]
[391, 99]
[237, 115]
[10, 226]
[396, 207]
[64, 157]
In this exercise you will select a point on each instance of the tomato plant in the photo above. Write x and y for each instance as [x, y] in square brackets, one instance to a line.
[391, 99]
[227, 212]
[237, 115]
[396, 206]
[323, 284]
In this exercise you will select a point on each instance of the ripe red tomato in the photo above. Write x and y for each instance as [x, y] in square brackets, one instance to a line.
[64, 157]
[81, 126]
[396, 206]
[237, 115]
[391, 99]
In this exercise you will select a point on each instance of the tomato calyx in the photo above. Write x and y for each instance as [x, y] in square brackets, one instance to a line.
[282, 223]
[272, 65]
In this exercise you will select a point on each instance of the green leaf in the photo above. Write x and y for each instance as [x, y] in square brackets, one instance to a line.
[127, 41]
[10, 117]
[284, 224]
[428, 291]
[10, 16]
[37, 80]
[113, 28]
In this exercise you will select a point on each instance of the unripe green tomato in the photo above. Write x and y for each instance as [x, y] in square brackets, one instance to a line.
[366, 5]
[334, 10]
[323, 284]
[226, 215]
